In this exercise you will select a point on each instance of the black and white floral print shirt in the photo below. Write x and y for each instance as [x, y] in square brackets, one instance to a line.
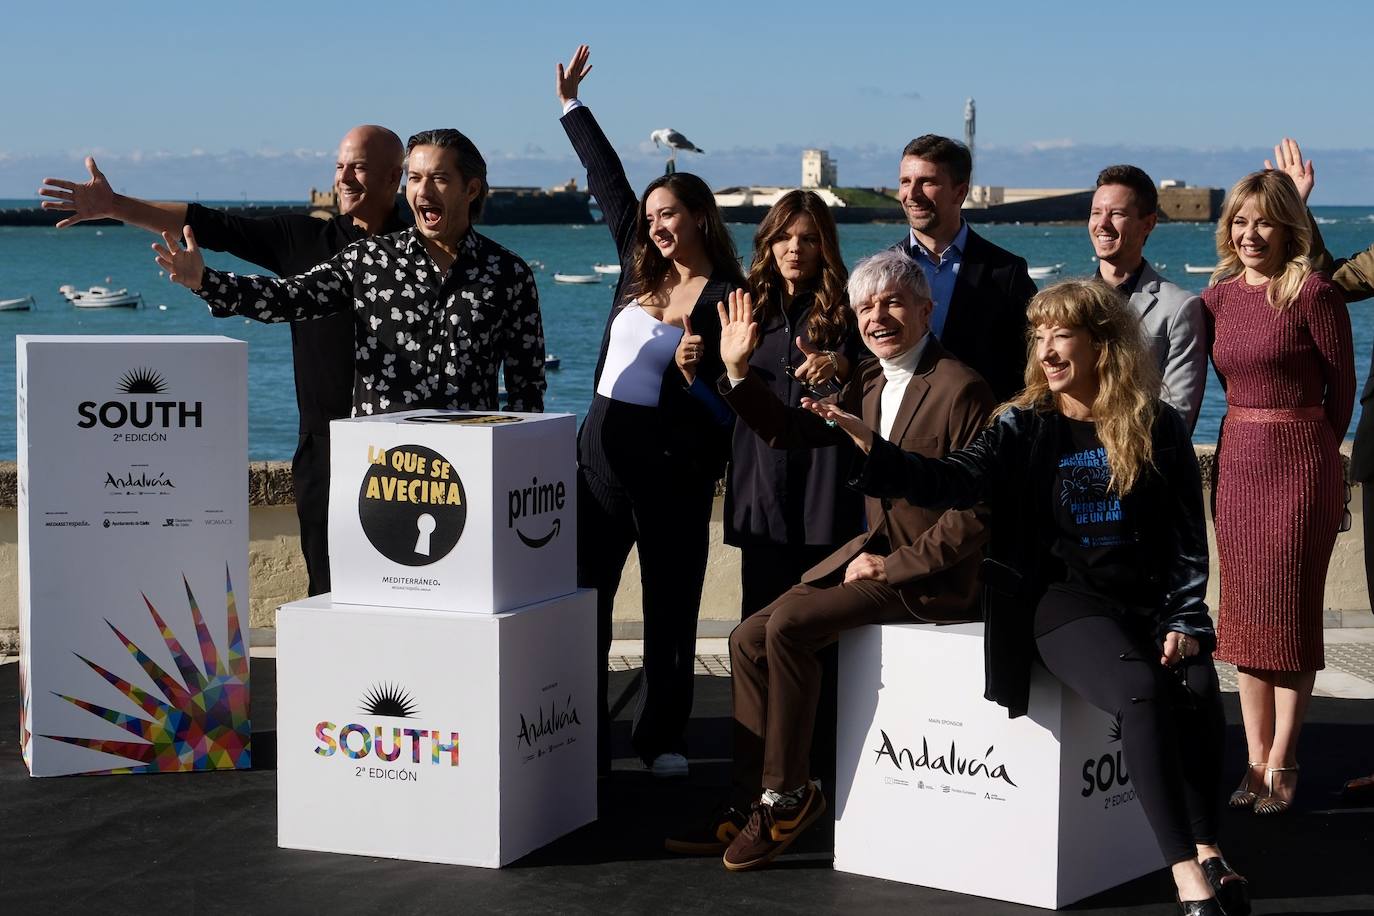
[422, 340]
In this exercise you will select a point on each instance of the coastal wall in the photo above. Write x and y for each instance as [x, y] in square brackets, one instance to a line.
[278, 573]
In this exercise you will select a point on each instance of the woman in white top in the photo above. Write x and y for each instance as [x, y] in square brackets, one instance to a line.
[656, 437]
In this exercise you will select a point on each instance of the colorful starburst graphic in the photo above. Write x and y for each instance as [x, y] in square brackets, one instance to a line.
[200, 722]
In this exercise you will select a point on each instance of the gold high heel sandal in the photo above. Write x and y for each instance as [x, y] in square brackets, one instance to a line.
[1272, 804]
[1243, 797]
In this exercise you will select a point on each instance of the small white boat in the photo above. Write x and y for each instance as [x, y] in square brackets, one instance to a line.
[1041, 273]
[22, 304]
[100, 297]
[576, 278]
[1195, 269]
[552, 362]
[606, 268]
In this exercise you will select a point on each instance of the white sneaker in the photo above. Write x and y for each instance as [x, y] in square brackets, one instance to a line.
[667, 765]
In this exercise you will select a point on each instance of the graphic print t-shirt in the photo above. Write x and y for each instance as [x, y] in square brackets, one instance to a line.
[1097, 542]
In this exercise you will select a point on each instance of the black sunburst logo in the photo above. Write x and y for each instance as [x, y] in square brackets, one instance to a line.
[1114, 731]
[389, 700]
[142, 381]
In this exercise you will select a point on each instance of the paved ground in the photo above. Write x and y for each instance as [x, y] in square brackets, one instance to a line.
[1349, 670]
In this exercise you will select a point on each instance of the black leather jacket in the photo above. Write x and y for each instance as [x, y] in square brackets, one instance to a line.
[1011, 467]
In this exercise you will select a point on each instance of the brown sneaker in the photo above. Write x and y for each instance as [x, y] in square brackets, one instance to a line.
[710, 837]
[772, 828]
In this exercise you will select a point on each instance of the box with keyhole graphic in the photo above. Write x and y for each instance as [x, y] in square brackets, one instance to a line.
[453, 510]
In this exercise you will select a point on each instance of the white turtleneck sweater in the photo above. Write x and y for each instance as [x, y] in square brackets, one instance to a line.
[898, 372]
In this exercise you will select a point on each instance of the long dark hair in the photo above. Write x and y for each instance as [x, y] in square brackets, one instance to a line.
[830, 315]
[649, 268]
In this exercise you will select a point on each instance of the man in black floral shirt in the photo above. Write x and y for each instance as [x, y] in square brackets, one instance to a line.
[436, 308]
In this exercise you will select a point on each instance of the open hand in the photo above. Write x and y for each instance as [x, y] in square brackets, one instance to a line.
[93, 199]
[571, 76]
[739, 332]
[1288, 159]
[688, 351]
[831, 413]
[183, 265]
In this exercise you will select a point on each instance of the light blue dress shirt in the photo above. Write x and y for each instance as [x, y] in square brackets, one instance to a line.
[941, 273]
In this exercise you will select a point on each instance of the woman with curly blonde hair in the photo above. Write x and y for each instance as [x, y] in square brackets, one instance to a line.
[1279, 337]
[1098, 560]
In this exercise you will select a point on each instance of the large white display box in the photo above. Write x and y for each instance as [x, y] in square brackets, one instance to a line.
[133, 554]
[937, 787]
[435, 736]
[453, 510]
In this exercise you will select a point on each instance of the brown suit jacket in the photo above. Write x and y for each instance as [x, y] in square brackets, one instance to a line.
[932, 556]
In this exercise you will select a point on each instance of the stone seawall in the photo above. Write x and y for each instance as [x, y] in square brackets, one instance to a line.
[278, 573]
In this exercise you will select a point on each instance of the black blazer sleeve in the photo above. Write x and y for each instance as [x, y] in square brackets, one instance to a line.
[960, 480]
[264, 241]
[605, 178]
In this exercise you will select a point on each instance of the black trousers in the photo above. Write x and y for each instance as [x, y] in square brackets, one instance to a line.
[310, 481]
[631, 493]
[1172, 723]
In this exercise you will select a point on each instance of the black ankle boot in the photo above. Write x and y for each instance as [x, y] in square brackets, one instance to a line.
[1208, 907]
[1230, 887]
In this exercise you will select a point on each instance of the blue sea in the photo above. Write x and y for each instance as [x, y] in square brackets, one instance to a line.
[37, 261]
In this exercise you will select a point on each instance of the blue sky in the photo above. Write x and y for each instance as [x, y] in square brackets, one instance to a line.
[249, 98]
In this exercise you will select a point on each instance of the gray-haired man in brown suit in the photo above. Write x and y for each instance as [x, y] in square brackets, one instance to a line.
[911, 564]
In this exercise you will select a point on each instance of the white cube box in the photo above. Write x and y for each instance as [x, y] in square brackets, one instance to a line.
[937, 787]
[453, 510]
[133, 553]
[434, 736]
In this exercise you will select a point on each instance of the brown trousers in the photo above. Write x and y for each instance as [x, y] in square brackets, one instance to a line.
[776, 676]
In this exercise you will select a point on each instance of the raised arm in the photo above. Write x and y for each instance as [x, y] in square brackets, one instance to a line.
[757, 407]
[95, 199]
[605, 174]
[325, 289]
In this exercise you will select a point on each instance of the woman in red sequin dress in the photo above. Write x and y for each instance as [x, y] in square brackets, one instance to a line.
[1279, 337]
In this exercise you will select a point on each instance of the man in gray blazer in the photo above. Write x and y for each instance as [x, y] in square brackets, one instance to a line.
[1124, 210]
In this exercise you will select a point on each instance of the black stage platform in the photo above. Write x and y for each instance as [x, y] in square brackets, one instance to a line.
[206, 842]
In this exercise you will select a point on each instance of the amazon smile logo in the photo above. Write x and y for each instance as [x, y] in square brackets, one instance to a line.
[531, 506]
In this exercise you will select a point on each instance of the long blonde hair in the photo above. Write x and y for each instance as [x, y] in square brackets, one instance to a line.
[1128, 379]
[1278, 201]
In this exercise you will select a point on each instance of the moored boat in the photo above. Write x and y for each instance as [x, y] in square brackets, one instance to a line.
[22, 304]
[1042, 273]
[100, 297]
[606, 268]
[1196, 269]
[576, 278]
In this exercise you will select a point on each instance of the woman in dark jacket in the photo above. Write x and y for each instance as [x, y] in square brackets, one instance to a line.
[656, 436]
[1098, 561]
[788, 509]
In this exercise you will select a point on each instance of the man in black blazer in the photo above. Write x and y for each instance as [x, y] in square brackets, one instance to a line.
[980, 290]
